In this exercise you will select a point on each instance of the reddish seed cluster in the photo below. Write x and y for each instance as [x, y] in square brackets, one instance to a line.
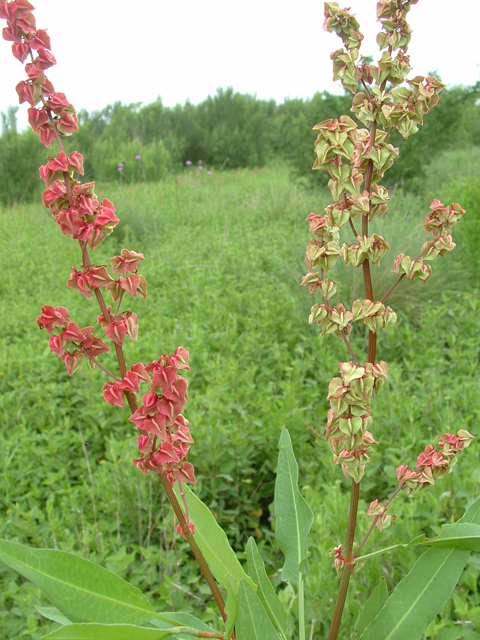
[165, 447]
[71, 344]
[56, 112]
[165, 438]
[434, 463]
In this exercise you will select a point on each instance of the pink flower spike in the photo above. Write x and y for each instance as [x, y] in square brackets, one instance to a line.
[188, 163]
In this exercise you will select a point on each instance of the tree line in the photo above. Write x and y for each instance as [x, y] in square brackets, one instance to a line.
[229, 130]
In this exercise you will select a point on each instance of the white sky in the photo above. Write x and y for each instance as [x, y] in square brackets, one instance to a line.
[110, 50]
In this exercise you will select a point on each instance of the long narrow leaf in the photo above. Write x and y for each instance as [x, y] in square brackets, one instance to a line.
[373, 606]
[265, 591]
[419, 596]
[293, 516]
[253, 622]
[108, 632]
[460, 535]
[231, 606]
[213, 542]
[81, 590]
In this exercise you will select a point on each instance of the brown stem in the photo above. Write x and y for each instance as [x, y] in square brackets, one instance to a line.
[392, 288]
[347, 569]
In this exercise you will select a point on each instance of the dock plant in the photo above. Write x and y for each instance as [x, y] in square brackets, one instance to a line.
[90, 602]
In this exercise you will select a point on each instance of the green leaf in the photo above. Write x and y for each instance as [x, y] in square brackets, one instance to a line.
[253, 622]
[293, 516]
[457, 633]
[373, 606]
[419, 596]
[213, 542]
[460, 535]
[472, 514]
[80, 589]
[52, 613]
[107, 632]
[265, 590]
[180, 619]
[231, 606]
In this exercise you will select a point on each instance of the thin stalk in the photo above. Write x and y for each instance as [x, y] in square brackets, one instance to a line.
[347, 569]
[349, 347]
[377, 518]
[392, 288]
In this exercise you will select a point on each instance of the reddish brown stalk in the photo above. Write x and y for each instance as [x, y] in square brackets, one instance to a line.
[347, 569]
[377, 518]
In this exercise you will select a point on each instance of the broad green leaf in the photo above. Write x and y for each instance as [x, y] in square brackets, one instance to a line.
[253, 622]
[213, 542]
[231, 606]
[460, 535]
[108, 632]
[265, 591]
[293, 516]
[419, 596]
[78, 588]
[372, 607]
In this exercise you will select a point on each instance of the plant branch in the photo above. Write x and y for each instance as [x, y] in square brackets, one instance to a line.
[377, 518]
[392, 288]
[349, 346]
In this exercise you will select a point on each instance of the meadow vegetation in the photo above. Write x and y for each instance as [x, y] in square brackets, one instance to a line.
[224, 260]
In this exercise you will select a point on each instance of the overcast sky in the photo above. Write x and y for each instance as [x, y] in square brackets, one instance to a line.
[110, 50]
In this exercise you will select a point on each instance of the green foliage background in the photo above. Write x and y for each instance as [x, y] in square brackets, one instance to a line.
[228, 130]
[224, 258]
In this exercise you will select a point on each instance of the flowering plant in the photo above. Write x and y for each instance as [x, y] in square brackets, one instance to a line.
[91, 602]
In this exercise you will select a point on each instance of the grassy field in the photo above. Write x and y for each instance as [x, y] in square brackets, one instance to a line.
[224, 258]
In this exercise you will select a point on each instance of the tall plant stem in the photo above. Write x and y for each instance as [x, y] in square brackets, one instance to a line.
[347, 569]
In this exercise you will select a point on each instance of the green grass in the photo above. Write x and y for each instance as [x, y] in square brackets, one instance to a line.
[224, 258]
